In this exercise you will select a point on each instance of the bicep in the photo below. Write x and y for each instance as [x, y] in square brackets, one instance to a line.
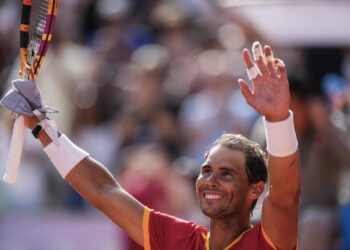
[98, 186]
[280, 224]
[125, 211]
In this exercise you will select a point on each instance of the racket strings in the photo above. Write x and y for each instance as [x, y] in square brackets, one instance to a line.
[38, 19]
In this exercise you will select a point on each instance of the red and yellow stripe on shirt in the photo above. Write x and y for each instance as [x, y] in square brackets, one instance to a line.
[162, 231]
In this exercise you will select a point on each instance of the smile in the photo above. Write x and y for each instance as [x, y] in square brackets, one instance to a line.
[212, 196]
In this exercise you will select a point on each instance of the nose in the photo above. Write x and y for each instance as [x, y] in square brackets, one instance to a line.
[212, 180]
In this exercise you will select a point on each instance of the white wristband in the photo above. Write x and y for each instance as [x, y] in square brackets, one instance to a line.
[280, 137]
[65, 155]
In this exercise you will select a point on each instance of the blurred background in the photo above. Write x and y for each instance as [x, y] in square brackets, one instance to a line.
[146, 86]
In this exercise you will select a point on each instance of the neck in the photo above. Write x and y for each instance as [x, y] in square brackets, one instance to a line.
[224, 231]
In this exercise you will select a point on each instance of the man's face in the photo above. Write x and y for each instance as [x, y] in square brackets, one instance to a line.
[222, 185]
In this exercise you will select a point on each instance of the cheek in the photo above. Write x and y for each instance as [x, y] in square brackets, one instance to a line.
[234, 191]
[199, 182]
[241, 193]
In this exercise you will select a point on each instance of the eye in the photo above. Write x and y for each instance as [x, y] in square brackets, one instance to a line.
[206, 171]
[226, 173]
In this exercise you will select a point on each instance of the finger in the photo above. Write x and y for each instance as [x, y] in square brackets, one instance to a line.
[247, 93]
[259, 57]
[270, 61]
[281, 68]
[248, 59]
[252, 69]
[253, 73]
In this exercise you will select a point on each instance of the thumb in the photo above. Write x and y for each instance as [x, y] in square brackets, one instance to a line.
[246, 92]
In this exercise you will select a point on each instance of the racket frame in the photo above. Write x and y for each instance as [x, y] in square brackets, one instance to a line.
[28, 72]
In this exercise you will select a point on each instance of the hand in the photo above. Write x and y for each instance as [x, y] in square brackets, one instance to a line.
[30, 121]
[270, 93]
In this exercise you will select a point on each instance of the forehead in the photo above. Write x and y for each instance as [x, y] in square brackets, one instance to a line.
[221, 155]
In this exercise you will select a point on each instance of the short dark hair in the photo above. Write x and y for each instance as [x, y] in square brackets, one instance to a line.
[256, 160]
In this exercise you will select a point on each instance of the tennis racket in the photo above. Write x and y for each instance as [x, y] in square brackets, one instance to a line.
[37, 22]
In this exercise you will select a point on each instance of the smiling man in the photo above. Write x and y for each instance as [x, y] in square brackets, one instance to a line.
[231, 166]
[232, 177]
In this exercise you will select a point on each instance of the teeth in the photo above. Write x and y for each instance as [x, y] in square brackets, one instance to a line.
[212, 196]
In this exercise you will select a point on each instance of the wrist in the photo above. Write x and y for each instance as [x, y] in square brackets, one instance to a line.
[46, 131]
[276, 118]
[36, 131]
[44, 138]
[280, 137]
[65, 155]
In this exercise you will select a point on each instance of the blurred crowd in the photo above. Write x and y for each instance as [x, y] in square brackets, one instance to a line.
[147, 86]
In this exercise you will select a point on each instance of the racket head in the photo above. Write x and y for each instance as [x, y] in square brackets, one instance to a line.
[37, 21]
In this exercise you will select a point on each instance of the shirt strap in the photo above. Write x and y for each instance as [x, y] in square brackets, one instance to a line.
[267, 238]
[145, 228]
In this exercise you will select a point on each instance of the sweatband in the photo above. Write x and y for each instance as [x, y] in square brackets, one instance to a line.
[65, 155]
[280, 137]
[253, 72]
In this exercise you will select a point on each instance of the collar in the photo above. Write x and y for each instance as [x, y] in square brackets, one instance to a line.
[207, 238]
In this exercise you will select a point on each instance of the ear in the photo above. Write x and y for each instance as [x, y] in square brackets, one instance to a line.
[256, 189]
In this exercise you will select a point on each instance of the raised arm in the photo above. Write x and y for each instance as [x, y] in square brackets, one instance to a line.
[97, 185]
[270, 97]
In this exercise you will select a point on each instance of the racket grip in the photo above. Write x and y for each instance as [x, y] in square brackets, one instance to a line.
[14, 158]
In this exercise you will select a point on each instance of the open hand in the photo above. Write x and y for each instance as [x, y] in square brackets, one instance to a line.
[270, 92]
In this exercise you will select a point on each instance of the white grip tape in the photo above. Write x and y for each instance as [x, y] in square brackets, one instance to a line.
[14, 159]
[253, 72]
[258, 51]
[65, 156]
[280, 136]
[279, 63]
[270, 58]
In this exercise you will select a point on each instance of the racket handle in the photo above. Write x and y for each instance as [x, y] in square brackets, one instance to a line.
[14, 158]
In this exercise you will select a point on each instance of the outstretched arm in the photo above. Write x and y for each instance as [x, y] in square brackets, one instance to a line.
[93, 181]
[270, 97]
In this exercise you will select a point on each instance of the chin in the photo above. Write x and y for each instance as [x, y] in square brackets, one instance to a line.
[220, 212]
[213, 212]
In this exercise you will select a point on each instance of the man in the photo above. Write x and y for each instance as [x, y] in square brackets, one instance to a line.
[231, 178]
